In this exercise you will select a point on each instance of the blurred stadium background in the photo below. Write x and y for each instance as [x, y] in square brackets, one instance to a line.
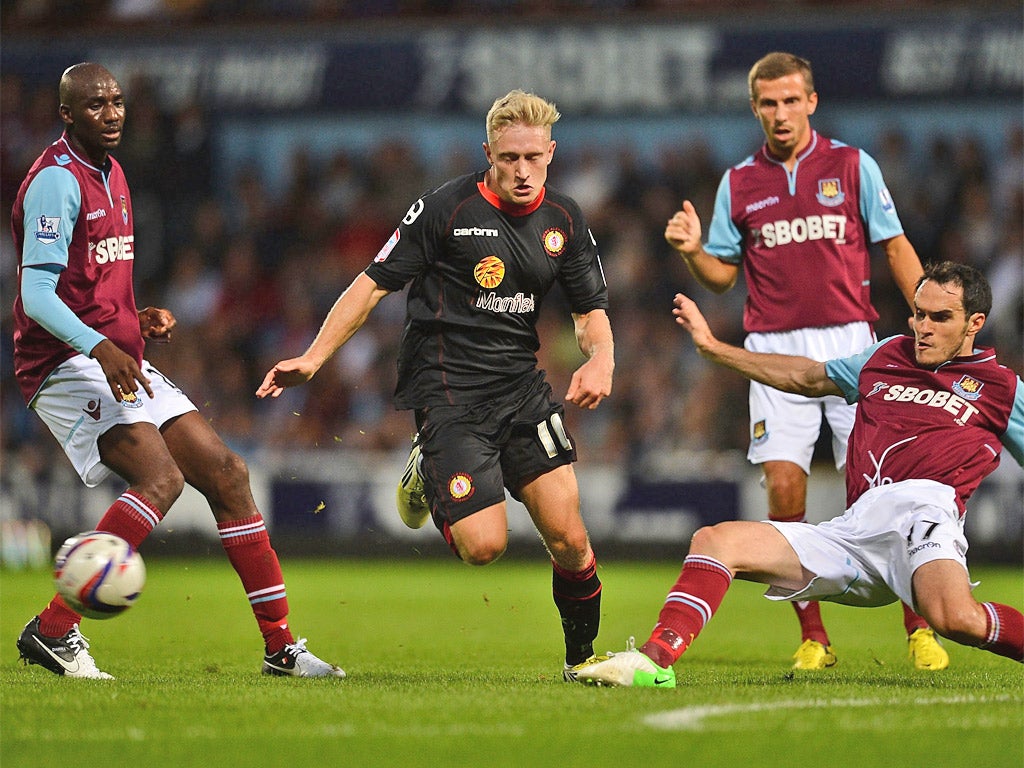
[273, 146]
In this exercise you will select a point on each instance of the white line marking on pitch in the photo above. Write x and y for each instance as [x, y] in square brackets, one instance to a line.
[692, 718]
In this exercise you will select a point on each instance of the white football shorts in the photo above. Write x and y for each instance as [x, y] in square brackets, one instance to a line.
[785, 427]
[77, 405]
[868, 555]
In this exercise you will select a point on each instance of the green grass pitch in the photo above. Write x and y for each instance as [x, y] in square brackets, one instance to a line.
[454, 666]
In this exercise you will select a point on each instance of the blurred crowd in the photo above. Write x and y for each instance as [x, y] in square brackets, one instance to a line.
[250, 272]
[103, 13]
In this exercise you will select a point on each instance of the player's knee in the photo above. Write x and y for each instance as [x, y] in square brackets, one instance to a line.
[234, 469]
[718, 541]
[230, 470]
[572, 547]
[482, 551]
[163, 486]
[226, 479]
[705, 541]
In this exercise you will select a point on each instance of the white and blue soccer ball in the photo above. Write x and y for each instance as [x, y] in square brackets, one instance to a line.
[98, 574]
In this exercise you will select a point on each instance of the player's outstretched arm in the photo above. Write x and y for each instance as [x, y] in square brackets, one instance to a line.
[684, 233]
[345, 318]
[592, 381]
[790, 373]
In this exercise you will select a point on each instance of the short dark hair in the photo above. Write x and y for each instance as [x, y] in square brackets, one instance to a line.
[778, 64]
[977, 292]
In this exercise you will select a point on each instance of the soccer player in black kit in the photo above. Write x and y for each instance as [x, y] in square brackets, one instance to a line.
[481, 252]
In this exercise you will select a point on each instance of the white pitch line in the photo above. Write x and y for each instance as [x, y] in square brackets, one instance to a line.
[692, 718]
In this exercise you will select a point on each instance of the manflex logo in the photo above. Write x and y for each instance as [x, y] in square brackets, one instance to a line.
[519, 304]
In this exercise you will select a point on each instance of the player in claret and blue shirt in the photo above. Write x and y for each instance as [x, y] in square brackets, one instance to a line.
[78, 358]
[934, 414]
[798, 217]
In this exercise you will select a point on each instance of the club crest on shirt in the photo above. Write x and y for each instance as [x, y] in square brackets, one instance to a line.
[969, 388]
[830, 193]
[46, 231]
[124, 209]
[554, 241]
[759, 432]
[461, 486]
[489, 272]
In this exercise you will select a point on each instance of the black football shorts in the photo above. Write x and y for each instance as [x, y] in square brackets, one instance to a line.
[471, 453]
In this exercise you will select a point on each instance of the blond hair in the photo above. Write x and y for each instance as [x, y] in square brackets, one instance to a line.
[778, 64]
[519, 107]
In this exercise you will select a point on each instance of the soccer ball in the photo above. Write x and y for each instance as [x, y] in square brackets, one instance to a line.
[98, 574]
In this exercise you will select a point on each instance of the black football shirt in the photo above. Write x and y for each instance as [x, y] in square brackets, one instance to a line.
[479, 269]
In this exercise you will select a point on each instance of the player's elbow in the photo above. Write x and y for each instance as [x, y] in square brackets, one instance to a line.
[715, 280]
[35, 304]
[812, 381]
[718, 288]
[32, 307]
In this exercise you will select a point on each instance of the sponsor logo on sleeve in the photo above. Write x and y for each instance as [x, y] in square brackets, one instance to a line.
[886, 200]
[46, 229]
[389, 246]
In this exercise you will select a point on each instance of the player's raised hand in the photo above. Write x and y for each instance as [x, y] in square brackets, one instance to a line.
[689, 316]
[683, 231]
[287, 373]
